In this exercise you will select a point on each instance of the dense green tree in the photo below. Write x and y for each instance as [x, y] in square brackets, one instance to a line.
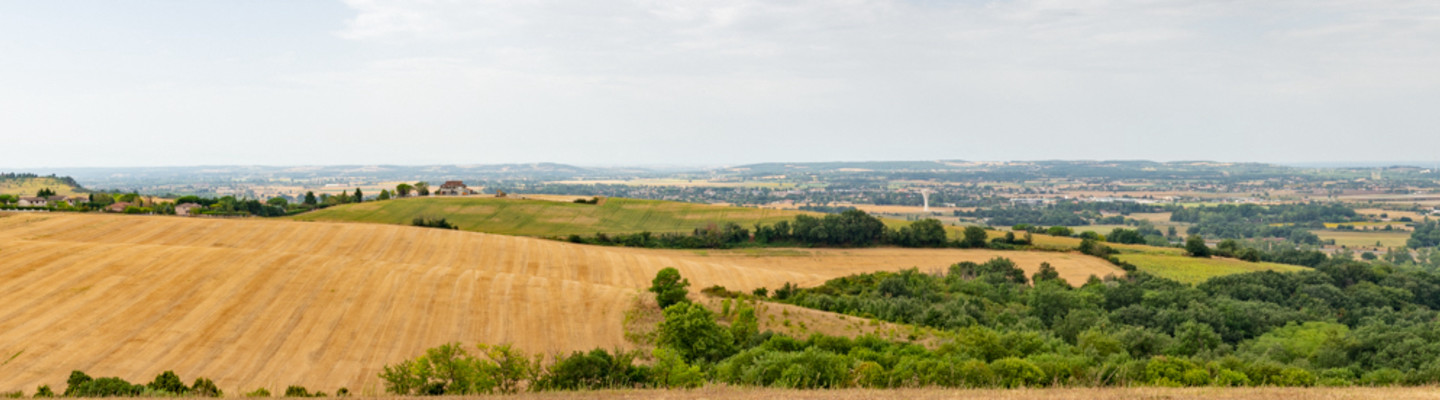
[422, 188]
[1195, 247]
[973, 237]
[404, 189]
[359, 196]
[310, 199]
[669, 287]
[690, 330]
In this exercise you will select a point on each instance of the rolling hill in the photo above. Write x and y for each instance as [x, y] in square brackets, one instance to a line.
[27, 185]
[270, 303]
[533, 217]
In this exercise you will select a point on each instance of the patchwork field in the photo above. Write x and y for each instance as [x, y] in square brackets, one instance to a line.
[269, 303]
[539, 217]
[1365, 239]
[1195, 270]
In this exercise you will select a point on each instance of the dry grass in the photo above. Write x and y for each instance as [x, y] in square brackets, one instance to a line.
[722, 393]
[269, 303]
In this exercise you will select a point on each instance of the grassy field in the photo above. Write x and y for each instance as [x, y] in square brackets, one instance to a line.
[29, 186]
[535, 217]
[1137, 393]
[270, 303]
[1367, 239]
[1196, 270]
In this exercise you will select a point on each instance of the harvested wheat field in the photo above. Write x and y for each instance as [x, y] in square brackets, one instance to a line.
[269, 303]
[1138, 393]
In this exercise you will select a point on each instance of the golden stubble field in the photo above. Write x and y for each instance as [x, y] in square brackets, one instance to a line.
[270, 303]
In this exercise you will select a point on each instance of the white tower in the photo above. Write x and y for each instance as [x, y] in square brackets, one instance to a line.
[925, 194]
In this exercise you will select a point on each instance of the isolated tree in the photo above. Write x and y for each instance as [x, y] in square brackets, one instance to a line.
[278, 202]
[310, 199]
[669, 287]
[384, 195]
[422, 188]
[404, 189]
[974, 237]
[359, 196]
[1046, 273]
[1195, 246]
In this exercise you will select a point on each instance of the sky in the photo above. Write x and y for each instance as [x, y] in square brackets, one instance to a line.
[711, 82]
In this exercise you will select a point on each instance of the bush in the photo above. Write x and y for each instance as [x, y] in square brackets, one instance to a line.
[105, 387]
[671, 371]
[597, 369]
[168, 382]
[433, 223]
[1011, 372]
[342, 392]
[261, 392]
[447, 369]
[204, 387]
[44, 392]
[297, 391]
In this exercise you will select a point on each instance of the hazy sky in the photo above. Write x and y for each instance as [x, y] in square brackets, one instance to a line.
[146, 83]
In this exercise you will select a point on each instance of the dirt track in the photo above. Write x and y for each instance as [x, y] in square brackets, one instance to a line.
[269, 303]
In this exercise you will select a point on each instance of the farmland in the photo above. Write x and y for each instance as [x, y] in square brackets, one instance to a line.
[28, 186]
[1195, 270]
[733, 393]
[529, 217]
[1365, 239]
[269, 303]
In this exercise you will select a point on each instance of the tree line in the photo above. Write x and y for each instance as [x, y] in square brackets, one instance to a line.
[852, 228]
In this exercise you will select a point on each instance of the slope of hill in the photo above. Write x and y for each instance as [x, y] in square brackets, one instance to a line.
[270, 303]
[28, 185]
[514, 216]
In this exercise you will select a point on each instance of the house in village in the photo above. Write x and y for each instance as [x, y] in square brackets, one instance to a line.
[454, 188]
[33, 202]
[118, 207]
[188, 209]
[72, 200]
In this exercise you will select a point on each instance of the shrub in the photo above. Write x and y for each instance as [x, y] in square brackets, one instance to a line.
[597, 369]
[168, 382]
[1229, 377]
[1011, 372]
[509, 367]
[433, 223]
[1292, 376]
[447, 369]
[261, 392]
[1383, 377]
[671, 371]
[204, 387]
[343, 392]
[18, 394]
[44, 392]
[105, 387]
[297, 391]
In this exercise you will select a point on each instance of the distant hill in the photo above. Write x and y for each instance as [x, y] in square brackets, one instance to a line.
[29, 184]
[515, 216]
